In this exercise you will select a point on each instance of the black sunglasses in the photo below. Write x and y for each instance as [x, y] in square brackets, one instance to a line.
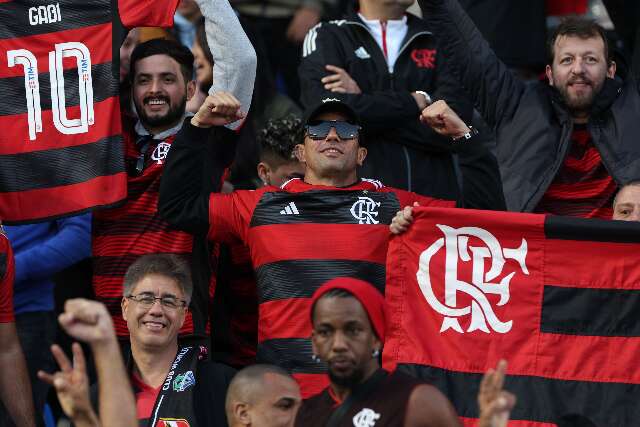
[320, 129]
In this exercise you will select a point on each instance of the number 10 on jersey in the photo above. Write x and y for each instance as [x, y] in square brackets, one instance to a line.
[29, 63]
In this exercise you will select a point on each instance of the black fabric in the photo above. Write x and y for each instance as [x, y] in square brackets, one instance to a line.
[358, 395]
[557, 227]
[382, 399]
[402, 152]
[292, 354]
[181, 167]
[590, 312]
[175, 399]
[281, 280]
[607, 404]
[68, 164]
[533, 128]
[311, 207]
[209, 393]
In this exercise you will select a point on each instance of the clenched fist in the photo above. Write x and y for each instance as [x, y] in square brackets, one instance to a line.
[218, 109]
[442, 119]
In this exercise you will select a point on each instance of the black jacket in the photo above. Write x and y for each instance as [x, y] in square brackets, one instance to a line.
[402, 152]
[532, 123]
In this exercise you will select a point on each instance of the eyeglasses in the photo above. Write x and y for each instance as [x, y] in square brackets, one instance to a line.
[146, 300]
[320, 130]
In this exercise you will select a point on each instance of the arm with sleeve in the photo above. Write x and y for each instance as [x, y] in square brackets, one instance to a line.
[233, 54]
[494, 89]
[69, 244]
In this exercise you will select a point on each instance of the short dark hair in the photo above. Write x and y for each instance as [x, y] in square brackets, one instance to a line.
[577, 27]
[171, 48]
[243, 385]
[279, 138]
[167, 265]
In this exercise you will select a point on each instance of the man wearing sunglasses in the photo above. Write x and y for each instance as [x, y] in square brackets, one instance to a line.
[171, 382]
[304, 233]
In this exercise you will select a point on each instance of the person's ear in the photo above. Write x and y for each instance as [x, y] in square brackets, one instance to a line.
[241, 413]
[299, 152]
[362, 154]
[549, 72]
[263, 172]
[191, 89]
[611, 71]
[124, 306]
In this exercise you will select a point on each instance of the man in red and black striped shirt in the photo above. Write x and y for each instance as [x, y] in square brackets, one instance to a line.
[307, 231]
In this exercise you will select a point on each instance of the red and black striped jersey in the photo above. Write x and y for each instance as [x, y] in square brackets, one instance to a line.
[123, 234]
[61, 145]
[583, 186]
[7, 273]
[299, 237]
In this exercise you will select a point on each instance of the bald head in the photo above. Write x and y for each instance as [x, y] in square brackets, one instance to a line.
[262, 396]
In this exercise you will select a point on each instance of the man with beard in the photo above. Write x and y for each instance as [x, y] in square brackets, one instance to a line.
[348, 321]
[161, 83]
[563, 146]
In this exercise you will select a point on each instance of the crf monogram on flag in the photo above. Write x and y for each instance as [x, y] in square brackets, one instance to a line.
[557, 297]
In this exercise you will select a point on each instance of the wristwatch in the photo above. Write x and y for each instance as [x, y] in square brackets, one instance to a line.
[427, 97]
[472, 132]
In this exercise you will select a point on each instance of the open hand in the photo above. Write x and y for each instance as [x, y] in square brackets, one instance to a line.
[340, 81]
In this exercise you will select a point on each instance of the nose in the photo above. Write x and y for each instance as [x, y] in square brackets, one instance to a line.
[339, 343]
[635, 216]
[155, 85]
[578, 66]
[333, 134]
[156, 308]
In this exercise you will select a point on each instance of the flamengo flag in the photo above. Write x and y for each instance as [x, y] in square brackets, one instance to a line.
[559, 298]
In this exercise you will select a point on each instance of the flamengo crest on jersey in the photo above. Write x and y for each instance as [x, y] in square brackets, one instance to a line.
[492, 255]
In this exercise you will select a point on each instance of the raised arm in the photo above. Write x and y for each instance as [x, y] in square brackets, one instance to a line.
[184, 194]
[493, 89]
[233, 54]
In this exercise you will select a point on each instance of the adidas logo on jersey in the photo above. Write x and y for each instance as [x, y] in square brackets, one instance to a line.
[45, 14]
[362, 53]
[290, 209]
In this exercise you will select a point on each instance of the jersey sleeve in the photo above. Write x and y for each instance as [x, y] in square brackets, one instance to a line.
[147, 13]
[7, 273]
[230, 215]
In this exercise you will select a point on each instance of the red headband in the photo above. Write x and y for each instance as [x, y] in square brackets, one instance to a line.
[370, 298]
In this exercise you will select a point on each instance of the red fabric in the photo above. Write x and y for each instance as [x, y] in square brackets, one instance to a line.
[124, 233]
[415, 332]
[146, 397]
[230, 216]
[583, 186]
[370, 298]
[6, 281]
[566, 7]
[136, 13]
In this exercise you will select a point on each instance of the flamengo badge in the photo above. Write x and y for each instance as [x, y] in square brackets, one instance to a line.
[366, 418]
[365, 210]
[455, 243]
[161, 152]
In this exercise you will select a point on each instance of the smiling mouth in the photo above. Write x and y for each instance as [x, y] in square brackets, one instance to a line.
[155, 101]
[332, 150]
[154, 326]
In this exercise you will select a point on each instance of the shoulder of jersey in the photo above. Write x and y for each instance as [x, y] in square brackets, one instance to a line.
[309, 43]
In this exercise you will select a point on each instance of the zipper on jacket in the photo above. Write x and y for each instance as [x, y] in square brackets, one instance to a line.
[406, 156]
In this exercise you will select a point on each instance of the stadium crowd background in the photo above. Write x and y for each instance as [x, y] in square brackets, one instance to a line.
[59, 261]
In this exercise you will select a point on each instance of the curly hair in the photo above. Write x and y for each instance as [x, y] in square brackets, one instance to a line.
[279, 137]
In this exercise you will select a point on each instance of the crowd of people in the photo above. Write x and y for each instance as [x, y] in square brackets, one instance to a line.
[237, 283]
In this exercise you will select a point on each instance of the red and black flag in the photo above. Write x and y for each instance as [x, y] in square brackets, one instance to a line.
[559, 298]
[61, 147]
